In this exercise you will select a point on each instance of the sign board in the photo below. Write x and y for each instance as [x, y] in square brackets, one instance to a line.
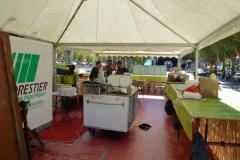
[32, 63]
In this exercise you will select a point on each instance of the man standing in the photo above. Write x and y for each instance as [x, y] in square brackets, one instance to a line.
[121, 69]
[109, 68]
[94, 71]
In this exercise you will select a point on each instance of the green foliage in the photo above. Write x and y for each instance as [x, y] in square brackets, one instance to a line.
[224, 48]
[77, 55]
[60, 53]
[139, 60]
[104, 59]
[190, 56]
[83, 56]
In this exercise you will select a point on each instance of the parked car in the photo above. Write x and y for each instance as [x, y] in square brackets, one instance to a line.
[201, 72]
[238, 75]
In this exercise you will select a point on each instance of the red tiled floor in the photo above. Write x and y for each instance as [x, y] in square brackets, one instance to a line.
[158, 143]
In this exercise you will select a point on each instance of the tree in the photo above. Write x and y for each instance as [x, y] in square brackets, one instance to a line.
[104, 59]
[228, 45]
[91, 58]
[190, 56]
[138, 60]
[218, 48]
[60, 53]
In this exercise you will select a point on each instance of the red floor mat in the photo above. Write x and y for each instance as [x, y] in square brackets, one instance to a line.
[62, 130]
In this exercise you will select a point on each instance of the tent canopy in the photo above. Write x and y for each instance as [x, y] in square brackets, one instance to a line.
[123, 27]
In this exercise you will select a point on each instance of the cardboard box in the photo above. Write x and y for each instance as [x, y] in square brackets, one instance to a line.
[171, 76]
[208, 87]
[177, 69]
[57, 87]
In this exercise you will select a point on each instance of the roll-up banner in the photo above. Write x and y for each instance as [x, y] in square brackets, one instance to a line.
[32, 63]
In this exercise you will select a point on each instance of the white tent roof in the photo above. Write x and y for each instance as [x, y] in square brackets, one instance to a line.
[123, 27]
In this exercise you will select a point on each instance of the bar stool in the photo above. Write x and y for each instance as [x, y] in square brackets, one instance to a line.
[140, 85]
[161, 86]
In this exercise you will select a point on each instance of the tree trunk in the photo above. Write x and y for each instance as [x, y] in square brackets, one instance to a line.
[210, 68]
[215, 63]
[233, 64]
[224, 64]
[68, 56]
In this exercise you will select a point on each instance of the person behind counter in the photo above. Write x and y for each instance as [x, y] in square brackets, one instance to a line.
[94, 71]
[121, 69]
[109, 68]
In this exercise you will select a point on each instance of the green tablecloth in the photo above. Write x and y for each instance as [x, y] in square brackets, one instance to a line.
[61, 66]
[150, 78]
[70, 79]
[225, 107]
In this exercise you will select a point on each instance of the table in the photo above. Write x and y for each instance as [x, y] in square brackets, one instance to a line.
[213, 108]
[68, 103]
[150, 78]
[218, 119]
[67, 79]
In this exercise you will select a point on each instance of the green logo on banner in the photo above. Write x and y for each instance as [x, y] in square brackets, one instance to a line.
[25, 67]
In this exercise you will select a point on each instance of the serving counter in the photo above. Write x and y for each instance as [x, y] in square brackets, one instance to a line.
[114, 112]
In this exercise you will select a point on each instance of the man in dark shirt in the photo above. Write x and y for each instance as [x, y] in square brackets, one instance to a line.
[94, 71]
[121, 69]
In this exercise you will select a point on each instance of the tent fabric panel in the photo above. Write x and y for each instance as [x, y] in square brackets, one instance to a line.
[232, 4]
[181, 20]
[151, 8]
[151, 30]
[84, 26]
[15, 15]
[76, 3]
[116, 23]
[49, 23]
[209, 16]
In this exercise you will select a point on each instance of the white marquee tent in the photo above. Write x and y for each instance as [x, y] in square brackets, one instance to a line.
[123, 27]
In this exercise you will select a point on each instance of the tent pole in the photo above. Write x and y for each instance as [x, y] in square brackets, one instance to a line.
[196, 61]
[123, 61]
[54, 74]
[179, 61]
[128, 64]
[70, 21]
